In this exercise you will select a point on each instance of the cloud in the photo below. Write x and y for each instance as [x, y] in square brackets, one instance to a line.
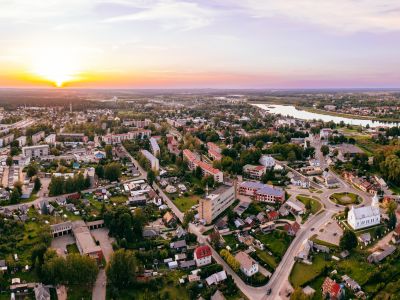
[171, 15]
[342, 15]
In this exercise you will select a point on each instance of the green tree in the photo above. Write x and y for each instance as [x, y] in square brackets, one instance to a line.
[151, 177]
[187, 218]
[99, 170]
[392, 220]
[15, 196]
[70, 185]
[9, 161]
[108, 149]
[32, 169]
[56, 186]
[121, 270]
[291, 157]
[37, 184]
[325, 150]
[112, 171]
[207, 181]
[348, 241]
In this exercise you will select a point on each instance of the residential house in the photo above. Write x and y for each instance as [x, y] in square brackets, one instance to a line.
[202, 255]
[292, 229]
[247, 265]
[332, 290]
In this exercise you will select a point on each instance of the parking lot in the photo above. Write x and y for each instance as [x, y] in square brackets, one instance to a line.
[330, 233]
[60, 243]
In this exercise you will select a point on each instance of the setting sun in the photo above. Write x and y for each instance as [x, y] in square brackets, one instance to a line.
[57, 66]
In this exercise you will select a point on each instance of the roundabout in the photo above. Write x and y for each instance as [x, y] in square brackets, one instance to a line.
[345, 198]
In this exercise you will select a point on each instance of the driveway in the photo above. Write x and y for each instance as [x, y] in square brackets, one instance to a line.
[60, 243]
[99, 288]
[101, 235]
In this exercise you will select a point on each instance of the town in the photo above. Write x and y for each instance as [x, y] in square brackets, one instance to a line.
[194, 196]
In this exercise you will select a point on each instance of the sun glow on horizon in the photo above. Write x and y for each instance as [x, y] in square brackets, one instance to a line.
[56, 65]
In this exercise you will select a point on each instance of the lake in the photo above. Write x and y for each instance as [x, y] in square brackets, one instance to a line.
[291, 111]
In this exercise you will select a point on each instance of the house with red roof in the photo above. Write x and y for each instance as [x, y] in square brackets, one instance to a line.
[272, 215]
[292, 229]
[202, 255]
[332, 290]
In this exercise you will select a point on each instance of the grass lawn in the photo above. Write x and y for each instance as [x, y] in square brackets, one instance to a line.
[72, 248]
[169, 286]
[302, 273]
[277, 242]
[119, 199]
[367, 144]
[185, 203]
[357, 268]
[315, 204]
[345, 198]
[231, 241]
[268, 259]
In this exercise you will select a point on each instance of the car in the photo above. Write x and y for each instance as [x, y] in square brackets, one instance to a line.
[269, 291]
[312, 229]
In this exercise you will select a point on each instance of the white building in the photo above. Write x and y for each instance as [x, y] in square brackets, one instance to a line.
[202, 256]
[50, 139]
[154, 147]
[367, 216]
[154, 163]
[325, 133]
[21, 141]
[36, 151]
[267, 161]
[247, 265]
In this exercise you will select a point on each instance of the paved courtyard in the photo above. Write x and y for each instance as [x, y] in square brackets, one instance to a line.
[330, 233]
[60, 243]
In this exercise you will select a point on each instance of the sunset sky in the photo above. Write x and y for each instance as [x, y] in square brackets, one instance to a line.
[200, 44]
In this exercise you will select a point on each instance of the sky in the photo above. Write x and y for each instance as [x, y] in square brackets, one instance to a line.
[200, 44]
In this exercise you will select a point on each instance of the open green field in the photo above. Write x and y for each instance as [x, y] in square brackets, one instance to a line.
[367, 144]
[277, 242]
[185, 203]
[302, 273]
[230, 240]
[119, 199]
[345, 198]
[314, 204]
[268, 259]
[169, 288]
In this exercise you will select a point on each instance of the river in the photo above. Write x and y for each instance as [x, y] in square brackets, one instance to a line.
[291, 111]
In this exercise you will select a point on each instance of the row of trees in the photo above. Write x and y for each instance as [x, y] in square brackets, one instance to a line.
[111, 171]
[124, 225]
[75, 269]
[230, 259]
[60, 185]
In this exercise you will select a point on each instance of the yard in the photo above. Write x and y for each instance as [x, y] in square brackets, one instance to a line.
[167, 288]
[230, 240]
[119, 199]
[302, 273]
[276, 242]
[345, 198]
[314, 204]
[72, 248]
[266, 258]
[185, 203]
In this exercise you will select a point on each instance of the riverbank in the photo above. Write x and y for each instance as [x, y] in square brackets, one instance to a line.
[306, 113]
[343, 115]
